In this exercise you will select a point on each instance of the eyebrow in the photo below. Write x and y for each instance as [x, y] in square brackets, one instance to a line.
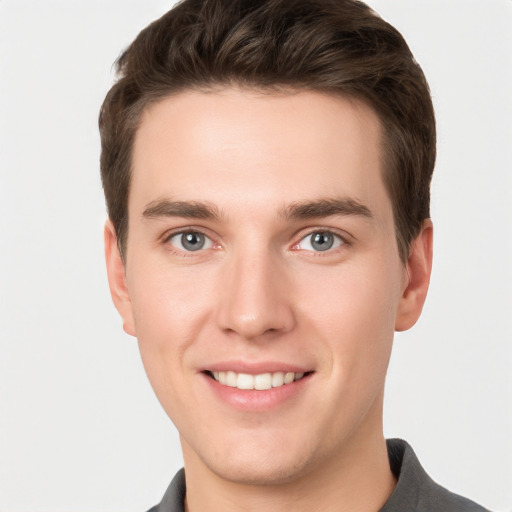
[295, 211]
[325, 208]
[188, 209]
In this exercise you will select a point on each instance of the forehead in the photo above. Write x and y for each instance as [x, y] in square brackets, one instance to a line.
[237, 145]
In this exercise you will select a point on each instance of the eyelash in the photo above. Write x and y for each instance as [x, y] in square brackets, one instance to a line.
[188, 231]
[342, 242]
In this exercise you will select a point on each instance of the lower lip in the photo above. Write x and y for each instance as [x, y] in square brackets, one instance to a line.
[253, 400]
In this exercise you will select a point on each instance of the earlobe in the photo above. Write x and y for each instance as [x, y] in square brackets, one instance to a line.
[418, 268]
[117, 278]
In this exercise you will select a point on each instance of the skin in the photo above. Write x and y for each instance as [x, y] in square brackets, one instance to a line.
[259, 292]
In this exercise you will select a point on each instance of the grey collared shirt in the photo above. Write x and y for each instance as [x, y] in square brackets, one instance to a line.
[415, 491]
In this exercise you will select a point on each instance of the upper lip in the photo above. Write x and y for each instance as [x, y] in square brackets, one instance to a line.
[255, 368]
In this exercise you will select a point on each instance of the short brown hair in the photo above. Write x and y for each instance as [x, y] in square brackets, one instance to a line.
[333, 46]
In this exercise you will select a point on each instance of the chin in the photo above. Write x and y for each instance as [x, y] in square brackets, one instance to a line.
[261, 462]
[261, 471]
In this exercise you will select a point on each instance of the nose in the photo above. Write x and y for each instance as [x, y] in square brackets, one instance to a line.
[255, 301]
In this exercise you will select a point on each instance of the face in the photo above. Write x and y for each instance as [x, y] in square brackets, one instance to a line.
[262, 277]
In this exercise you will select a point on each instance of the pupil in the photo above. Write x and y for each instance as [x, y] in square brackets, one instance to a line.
[322, 241]
[192, 241]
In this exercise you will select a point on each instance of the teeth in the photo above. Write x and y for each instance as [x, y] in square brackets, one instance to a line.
[261, 381]
[289, 377]
[245, 381]
[277, 379]
[231, 379]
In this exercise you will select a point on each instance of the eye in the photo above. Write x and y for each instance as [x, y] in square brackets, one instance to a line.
[320, 241]
[190, 241]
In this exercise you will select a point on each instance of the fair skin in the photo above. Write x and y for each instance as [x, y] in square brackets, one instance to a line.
[261, 242]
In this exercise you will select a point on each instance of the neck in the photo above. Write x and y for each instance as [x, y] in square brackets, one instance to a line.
[357, 479]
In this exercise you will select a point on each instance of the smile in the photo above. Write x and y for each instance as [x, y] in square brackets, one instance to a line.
[261, 381]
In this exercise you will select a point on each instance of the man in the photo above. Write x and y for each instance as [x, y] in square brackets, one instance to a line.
[266, 167]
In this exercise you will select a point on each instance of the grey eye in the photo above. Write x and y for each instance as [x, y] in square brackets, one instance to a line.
[319, 241]
[190, 241]
[322, 241]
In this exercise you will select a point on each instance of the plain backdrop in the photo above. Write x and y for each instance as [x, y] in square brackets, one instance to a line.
[80, 429]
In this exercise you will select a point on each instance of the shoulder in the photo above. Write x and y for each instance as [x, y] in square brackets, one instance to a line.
[415, 490]
[174, 497]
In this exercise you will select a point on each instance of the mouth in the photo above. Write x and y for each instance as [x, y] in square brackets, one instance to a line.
[260, 382]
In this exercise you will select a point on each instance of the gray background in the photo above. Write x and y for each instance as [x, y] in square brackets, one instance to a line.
[80, 429]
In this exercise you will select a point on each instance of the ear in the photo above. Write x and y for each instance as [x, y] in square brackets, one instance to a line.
[117, 278]
[418, 269]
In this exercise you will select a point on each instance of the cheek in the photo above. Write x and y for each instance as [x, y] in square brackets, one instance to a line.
[170, 310]
[167, 300]
[357, 296]
[353, 309]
